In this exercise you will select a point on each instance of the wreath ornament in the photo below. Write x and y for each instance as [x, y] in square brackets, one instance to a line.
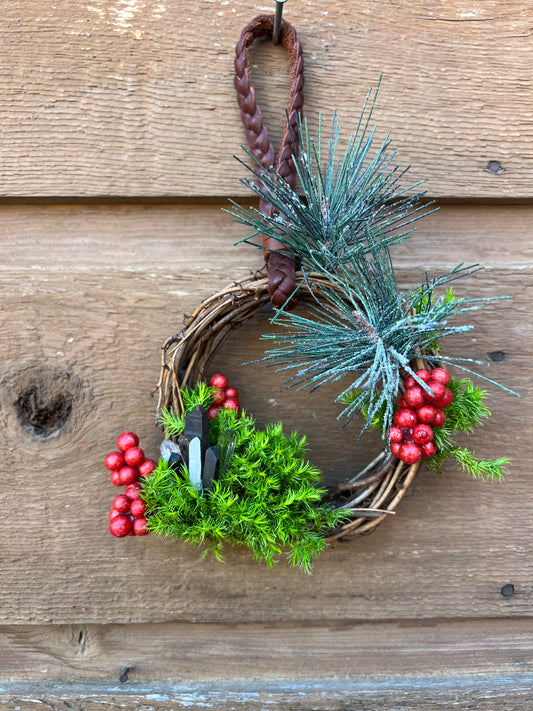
[373, 493]
[328, 250]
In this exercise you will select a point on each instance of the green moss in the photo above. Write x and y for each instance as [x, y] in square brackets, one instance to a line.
[266, 497]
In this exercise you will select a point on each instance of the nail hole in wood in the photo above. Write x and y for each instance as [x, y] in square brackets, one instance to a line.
[494, 167]
[497, 356]
[123, 678]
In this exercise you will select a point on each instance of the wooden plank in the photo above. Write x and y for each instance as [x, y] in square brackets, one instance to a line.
[94, 335]
[110, 99]
[199, 239]
[84, 291]
[482, 693]
[282, 652]
[479, 664]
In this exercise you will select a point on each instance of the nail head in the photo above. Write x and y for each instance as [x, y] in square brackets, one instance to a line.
[507, 590]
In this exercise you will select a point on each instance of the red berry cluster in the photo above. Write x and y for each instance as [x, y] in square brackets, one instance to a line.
[127, 466]
[224, 397]
[418, 413]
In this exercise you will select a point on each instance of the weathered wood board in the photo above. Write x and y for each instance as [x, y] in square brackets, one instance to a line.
[115, 98]
[88, 328]
[320, 649]
[466, 664]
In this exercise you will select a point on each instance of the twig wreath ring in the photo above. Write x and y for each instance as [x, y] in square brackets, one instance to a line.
[371, 495]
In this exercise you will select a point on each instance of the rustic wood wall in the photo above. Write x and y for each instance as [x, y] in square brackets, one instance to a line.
[117, 135]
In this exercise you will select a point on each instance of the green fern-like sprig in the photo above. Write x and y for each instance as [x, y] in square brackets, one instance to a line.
[476, 467]
[200, 395]
[465, 413]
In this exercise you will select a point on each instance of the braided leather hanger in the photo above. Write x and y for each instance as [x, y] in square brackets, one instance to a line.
[281, 268]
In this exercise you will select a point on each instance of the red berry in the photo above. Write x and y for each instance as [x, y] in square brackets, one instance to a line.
[231, 404]
[446, 400]
[218, 397]
[137, 508]
[147, 467]
[423, 374]
[218, 381]
[134, 456]
[440, 418]
[114, 513]
[409, 381]
[128, 475]
[438, 390]
[414, 397]
[115, 478]
[422, 434]
[440, 374]
[410, 453]
[121, 526]
[395, 448]
[114, 460]
[140, 527]
[426, 414]
[402, 403]
[232, 393]
[121, 503]
[395, 434]
[127, 440]
[132, 491]
[213, 412]
[404, 417]
[429, 449]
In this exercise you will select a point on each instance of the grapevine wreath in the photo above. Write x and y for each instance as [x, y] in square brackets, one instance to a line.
[328, 250]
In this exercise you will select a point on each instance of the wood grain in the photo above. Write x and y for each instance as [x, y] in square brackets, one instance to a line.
[199, 239]
[282, 652]
[91, 293]
[321, 665]
[136, 99]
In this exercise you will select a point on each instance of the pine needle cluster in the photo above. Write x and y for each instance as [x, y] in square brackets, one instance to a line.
[265, 498]
[352, 210]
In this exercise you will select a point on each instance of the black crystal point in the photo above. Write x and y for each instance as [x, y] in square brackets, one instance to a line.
[211, 470]
[196, 425]
[175, 461]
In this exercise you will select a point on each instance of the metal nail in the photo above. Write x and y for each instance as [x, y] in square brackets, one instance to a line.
[276, 32]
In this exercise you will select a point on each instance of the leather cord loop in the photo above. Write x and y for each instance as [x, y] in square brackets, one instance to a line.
[281, 268]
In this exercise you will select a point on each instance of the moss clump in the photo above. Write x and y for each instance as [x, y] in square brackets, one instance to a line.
[265, 498]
